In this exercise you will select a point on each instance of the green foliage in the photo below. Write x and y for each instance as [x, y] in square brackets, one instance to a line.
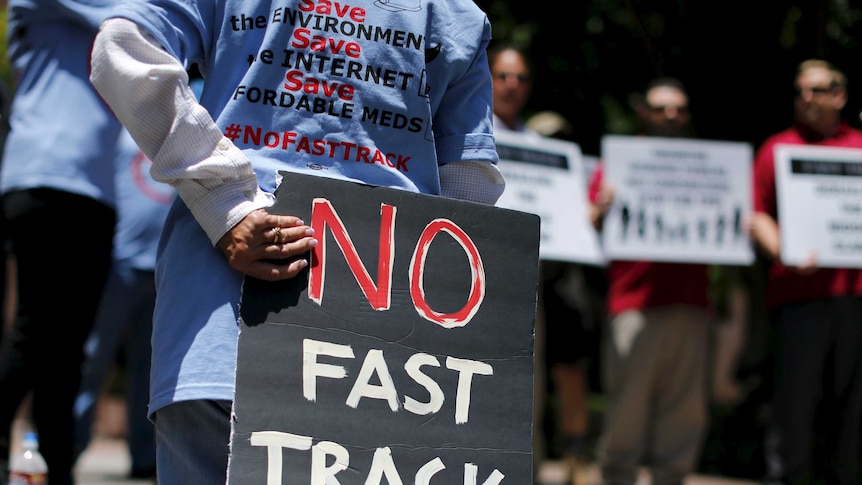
[5, 66]
[737, 58]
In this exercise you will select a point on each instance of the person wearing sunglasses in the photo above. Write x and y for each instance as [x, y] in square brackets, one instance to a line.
[815, 312]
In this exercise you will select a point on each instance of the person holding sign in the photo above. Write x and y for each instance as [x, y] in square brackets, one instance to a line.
[562, 338]
[654, 360]
[285, 91]
[816, 312]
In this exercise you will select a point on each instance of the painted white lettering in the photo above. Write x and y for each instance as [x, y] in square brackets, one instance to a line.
[320, 473]
[471, 474]
[428, 470]
[435, 402]
[374, 364]
[274, 442]
[466, 369]
[311, 368]
[382, 465]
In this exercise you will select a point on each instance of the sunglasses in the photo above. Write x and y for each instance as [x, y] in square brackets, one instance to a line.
[504, 76]
[659, 109]
[815, 91]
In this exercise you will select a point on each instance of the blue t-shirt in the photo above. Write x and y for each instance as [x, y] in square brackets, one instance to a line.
[375, 91]
[142, 206]
[371, 91]
[62, 135]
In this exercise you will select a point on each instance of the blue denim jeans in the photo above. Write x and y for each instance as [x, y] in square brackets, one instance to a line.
[57, 301]
[124, 321]
[192, 442]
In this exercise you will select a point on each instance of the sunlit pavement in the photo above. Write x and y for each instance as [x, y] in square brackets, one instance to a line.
[558, 473]
[106, 462]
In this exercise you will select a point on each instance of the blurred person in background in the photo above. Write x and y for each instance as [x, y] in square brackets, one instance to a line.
[816, 313]
[571, 334]
[58, 200]
[513, 82]
[655, 350]
[125, 319]
[561, 339]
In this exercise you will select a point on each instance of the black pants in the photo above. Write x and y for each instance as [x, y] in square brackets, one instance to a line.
[62, 247]
[818, 392]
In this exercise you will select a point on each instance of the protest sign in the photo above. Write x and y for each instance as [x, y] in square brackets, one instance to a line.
[403, 354]
[545, 176]
[819, 196]
[677, 200]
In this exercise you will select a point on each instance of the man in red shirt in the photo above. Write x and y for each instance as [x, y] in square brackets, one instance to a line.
[816, 312]
[655, 355]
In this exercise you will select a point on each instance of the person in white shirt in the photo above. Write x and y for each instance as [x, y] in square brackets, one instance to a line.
[274, 100]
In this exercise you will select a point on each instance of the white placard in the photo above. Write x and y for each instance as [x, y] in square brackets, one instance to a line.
[819, 196]
[677, 200]
[544, 176]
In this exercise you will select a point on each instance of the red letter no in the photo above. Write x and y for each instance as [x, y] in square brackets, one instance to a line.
[417, 270]
[379, 295]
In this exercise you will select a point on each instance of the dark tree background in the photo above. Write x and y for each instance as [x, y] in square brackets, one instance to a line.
[736, 57]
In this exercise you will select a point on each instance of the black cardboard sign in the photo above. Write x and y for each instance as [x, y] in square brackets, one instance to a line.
[403, 354]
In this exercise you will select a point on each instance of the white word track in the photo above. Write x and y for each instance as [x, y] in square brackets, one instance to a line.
[382, 465]
[374, 365]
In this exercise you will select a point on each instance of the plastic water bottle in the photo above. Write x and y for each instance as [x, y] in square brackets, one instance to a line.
[27, 466]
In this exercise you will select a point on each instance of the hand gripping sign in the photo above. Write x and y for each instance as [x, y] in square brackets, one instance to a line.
[403, 354]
